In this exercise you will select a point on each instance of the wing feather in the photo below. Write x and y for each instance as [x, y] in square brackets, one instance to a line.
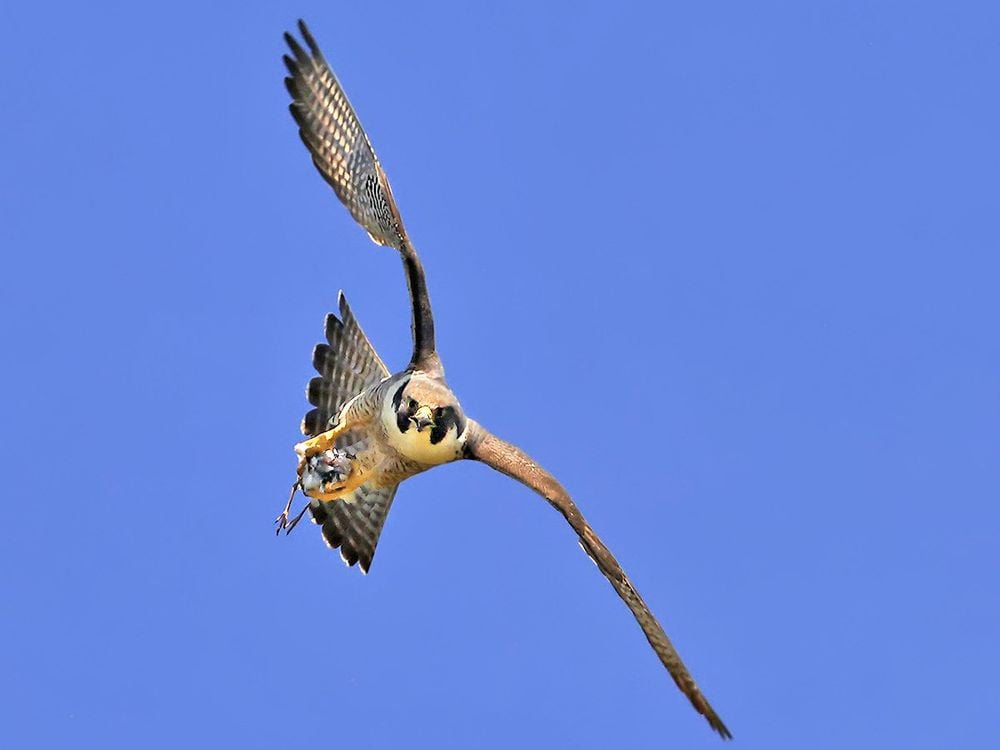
[340, 148]
[341, 151]
[512, 461]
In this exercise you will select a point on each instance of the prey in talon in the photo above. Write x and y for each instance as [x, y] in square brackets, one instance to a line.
[322, 474]
[327, 472]
[370, 430]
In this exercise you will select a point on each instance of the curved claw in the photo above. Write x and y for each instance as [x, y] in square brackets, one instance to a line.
[284, 523]
[282, 519]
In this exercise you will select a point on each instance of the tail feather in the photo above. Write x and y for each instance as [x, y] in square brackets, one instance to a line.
[347, 364]
[354, 523]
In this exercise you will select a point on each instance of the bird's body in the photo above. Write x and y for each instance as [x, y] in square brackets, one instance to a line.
[369, 443]
[370, 430]
[383, 448]
[375, 438]
[424, 447]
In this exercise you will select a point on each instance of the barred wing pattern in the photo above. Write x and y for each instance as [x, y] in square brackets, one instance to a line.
[339, 146]
[510, 460]
[355, 522]
[346, 365]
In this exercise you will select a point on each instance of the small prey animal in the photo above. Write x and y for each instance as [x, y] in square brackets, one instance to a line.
[370, 430]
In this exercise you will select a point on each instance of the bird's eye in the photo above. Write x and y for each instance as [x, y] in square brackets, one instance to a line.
[413, 403]
[437, 412]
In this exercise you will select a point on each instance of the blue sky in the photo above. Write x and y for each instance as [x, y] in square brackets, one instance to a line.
[729, 270]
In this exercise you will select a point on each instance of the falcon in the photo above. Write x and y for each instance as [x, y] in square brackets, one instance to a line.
[369, 429]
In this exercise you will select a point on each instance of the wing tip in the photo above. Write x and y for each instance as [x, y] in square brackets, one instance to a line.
[292, 87]
[717, 724]
[703, 707]
[295, 47]
[723, 730]
[309, 39]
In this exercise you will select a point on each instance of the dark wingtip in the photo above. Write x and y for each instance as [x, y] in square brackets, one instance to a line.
[309, 39]
[296, 48]
[716, 723]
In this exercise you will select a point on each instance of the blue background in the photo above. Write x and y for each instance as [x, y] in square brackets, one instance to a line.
[730, 271]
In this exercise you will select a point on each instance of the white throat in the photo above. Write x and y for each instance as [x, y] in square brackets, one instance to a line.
[417, 446]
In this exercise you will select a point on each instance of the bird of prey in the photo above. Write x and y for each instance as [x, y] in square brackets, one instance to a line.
[369, 429]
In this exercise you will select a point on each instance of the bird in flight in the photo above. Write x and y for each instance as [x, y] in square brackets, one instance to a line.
[369, 429]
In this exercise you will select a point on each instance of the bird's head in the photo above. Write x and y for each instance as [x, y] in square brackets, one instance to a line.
[426, 413]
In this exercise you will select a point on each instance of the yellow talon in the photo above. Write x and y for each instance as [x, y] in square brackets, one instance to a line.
[315, 446]
[338, 491]
[319, 444]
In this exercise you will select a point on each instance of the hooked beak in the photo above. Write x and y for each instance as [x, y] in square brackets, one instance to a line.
[422, 418]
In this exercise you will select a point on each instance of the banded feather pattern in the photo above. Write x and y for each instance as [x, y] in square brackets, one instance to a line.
[347, 364]
[386, 439]
[510, 460]
[354, 523]
[339, 145]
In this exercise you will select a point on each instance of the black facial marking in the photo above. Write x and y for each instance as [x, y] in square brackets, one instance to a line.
[402, 415]
[438, 432]
[397, 398]
[445, 420]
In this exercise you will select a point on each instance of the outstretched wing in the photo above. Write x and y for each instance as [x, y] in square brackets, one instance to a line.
[512, 461]
[344, 156]
[339, 145]
[347, 364]
[355, 522]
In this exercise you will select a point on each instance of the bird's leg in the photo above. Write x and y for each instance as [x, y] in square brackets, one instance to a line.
[330, 474]
[282, 520]
[325, 472]
[331, 491]
[294, 522]
[322, 442]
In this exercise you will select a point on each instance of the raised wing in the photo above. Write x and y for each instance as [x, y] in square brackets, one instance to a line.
[345, 158]
[355, 522]
[512, 461]
[347, 364]
[339, 145]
